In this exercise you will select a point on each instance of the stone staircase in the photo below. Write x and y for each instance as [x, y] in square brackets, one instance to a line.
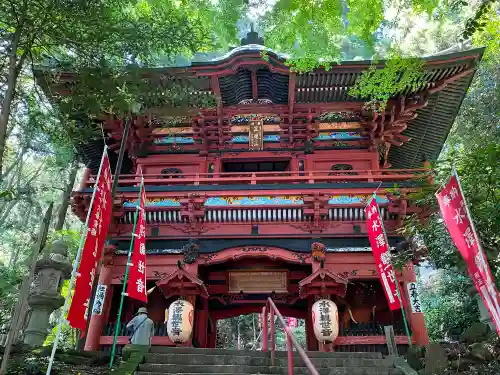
[190, 361]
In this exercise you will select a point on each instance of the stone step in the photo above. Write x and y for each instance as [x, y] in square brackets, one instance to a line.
[283, 372]
[297, 371]
[184, 373]
[255, 359]
[196, 369]
[320, 363]
[206, 351]
[343, 371]
[157, 369]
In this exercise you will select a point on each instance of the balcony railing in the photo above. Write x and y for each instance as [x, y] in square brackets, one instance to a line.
[253, 215]
[257, 178]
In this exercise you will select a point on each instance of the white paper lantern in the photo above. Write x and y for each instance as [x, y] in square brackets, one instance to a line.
[180, 321]
[325, 318]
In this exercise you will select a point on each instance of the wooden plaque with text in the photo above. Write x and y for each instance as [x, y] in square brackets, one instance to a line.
[258, 281]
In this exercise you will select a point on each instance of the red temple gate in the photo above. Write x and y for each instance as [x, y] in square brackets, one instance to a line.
[239, 192]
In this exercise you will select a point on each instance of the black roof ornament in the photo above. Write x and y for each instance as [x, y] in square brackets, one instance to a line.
[252, 37]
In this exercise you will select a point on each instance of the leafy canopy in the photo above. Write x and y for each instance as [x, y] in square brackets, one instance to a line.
[316, 33]
[378, 85]
[449, 308]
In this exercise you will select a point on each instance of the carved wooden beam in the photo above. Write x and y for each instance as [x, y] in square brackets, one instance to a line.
[387, 127]
[386, 155]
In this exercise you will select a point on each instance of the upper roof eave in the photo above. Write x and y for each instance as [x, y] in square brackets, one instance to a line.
[451, 58]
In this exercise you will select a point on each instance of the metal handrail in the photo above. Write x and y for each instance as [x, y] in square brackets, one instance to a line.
[271, 308]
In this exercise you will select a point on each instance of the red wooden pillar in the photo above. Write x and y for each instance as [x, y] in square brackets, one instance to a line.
[97, 322]
[415, 320]
[202, 324]
[294, 164]
[212, 336]
[312, 343]
[203, 166]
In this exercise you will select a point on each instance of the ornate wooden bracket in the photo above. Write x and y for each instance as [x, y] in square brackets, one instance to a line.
[182, 283]
[315, 206]
[386, 127]
[80, 204]
[192, 209]
[323, 283]
[398, 205]
[140, 135]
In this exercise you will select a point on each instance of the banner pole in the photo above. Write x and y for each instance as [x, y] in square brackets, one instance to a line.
[407, 329]
[491, 287]
[127, 122]
[125, 279]
[74, 273]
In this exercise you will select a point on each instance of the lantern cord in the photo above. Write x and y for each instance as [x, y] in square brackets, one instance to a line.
[125, 279]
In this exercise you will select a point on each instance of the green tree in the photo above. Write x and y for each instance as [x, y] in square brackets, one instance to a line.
[10, 280]
[91, 34]
[317, 33]
[449, 308]
[473, 149]
[240, 330]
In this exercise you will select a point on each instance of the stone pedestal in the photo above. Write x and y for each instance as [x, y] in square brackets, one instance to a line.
[52, 269]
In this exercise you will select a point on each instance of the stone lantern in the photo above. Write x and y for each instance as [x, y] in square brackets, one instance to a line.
[52, 268]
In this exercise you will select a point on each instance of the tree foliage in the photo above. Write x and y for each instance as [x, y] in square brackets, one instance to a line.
[378, 85]
[103, 35]
[10, 280]
[473, 149]
[449, 308]
[318, 33]
[246, 330]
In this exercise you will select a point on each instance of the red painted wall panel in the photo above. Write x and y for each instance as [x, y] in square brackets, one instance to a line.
[319, 160]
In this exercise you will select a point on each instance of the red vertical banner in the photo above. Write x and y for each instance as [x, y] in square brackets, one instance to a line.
[459, 223]
[96, 231]
[380, 251]
[136, 284]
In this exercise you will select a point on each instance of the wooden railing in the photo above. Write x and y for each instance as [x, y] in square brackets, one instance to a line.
[288, 177]
[291, 341]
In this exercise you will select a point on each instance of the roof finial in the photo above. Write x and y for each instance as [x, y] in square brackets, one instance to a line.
[252, 37]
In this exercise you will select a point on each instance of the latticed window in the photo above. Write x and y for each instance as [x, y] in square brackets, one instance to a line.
[171, 173]
[342, 167]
